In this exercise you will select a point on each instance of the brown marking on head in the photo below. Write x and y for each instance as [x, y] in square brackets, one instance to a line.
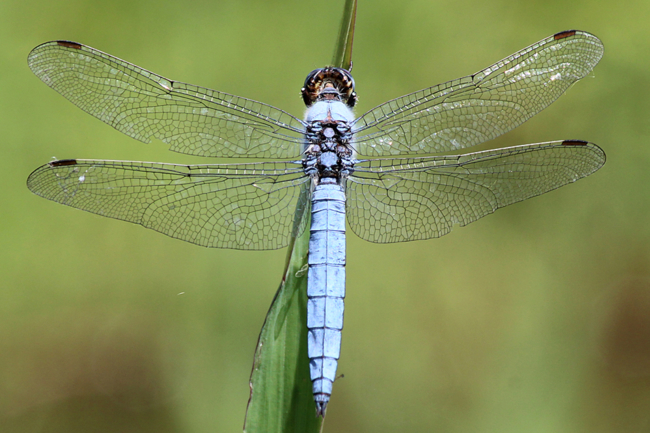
[329, 78]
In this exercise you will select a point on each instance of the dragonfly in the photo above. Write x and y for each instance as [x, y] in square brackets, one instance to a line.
[382, 171]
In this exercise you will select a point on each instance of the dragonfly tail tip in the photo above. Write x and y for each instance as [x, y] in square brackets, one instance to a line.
[321, 407]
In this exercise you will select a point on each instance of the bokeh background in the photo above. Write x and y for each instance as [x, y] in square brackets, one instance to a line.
[534, 319]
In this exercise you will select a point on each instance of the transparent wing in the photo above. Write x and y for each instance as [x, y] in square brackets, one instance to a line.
[240, 206]
[407, 199]
[477, 108]
[143, 105]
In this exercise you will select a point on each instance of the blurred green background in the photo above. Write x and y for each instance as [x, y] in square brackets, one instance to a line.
[534, 319]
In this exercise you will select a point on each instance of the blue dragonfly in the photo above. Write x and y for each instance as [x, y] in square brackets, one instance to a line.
[380, 170]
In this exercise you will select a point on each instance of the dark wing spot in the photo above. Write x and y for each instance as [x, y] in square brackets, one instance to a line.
[574, 143]
[564, 34]
[63, 162]
[69, 44]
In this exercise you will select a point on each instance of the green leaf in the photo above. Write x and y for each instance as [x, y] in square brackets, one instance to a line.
[281, 398]
[343, 53]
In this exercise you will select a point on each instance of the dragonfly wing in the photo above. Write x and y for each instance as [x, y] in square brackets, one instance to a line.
[479, 107]
[240, 206]
[191, 119]
[407, 199]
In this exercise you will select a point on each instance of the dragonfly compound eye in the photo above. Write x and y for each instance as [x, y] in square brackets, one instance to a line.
[329, 78]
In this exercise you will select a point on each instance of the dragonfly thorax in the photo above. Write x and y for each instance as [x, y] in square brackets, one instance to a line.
[328, 153]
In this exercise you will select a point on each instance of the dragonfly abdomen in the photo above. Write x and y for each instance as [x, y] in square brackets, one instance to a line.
[325, 287]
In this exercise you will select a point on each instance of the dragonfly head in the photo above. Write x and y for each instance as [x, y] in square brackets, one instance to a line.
[329, 83]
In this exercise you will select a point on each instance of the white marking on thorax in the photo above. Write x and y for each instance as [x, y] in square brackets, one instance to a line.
[337, 109]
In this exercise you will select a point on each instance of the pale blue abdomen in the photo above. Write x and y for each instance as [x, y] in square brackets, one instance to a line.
[325, 287]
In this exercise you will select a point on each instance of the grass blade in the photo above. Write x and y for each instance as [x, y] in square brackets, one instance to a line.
[281, 398]
[343, 53]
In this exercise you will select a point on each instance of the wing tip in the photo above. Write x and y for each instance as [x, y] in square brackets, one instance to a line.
[579, 34]
[38, 51]
[602, 156]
